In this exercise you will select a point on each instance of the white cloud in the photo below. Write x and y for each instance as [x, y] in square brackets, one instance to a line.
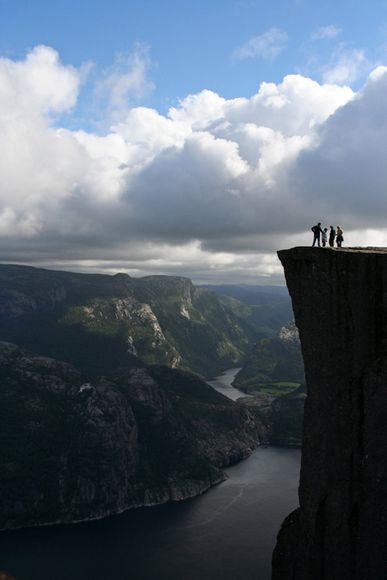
[126, 79]
[292, 107]
[346, 66]
[199, 111]
[346, 171]
[330, 31]
[267, 45]
[39, 84]
[208, 190]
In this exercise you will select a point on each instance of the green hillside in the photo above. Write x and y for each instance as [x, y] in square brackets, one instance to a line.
[103, 323]
[274, 366]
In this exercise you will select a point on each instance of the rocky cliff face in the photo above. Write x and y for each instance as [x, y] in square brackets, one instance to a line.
[68, 448]
[340, 305]
[100, 323]
[279, 419]
[74, 449]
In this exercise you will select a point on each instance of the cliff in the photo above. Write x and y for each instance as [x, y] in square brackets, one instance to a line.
[279, 419]
[274, 366]
[273, 376]
[100, 323]
[74, 449]
[340, 305]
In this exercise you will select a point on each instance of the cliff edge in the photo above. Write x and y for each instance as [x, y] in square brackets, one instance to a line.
[340, 305]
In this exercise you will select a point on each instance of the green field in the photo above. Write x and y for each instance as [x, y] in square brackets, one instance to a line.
[275, 389]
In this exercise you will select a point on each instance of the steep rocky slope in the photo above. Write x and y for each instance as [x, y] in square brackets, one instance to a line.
[279, 419]
[100, 323]
[273, 374]
[340, 306]
[73, 448]
[274, 365]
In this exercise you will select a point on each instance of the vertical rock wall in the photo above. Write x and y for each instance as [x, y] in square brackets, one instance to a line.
[340, 305]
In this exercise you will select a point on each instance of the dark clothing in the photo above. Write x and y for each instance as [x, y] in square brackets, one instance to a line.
[339, 237]
[332, 235]
[317, 231]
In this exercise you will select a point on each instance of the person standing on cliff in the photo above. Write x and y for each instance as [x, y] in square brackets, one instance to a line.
[332, 235]
[339, 236]
[316, 233]
[324, 237]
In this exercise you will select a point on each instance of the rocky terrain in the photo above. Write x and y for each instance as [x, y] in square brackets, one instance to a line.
[100, 323]
[339, 532]
[279, 419]
[74, 448]
[274, 366]
[273, 376]
[120, 422]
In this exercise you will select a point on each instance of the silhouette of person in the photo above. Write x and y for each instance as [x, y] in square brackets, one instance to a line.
[332, 235]
[339, 236]
[324, 237]
[317, 231]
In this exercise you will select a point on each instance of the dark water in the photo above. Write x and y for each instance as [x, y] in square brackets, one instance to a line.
[228, 533]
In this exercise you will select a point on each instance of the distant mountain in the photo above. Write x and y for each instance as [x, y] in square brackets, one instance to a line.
[268, 307]
[250, 294]
[273, 373]
[275, 365]
[102, 323]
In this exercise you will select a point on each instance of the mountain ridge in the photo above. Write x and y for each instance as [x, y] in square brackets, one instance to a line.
[158, 319]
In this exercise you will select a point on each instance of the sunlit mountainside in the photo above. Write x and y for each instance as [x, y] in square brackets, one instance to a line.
[101, 323]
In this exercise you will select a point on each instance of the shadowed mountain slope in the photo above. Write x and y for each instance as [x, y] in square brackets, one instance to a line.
[101, 323]
[74, 449]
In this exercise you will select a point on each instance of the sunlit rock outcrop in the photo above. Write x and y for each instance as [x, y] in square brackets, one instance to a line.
[100, 323]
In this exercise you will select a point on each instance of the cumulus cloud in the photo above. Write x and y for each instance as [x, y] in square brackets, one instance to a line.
[267, 45]
[347, 166]
[37, 85]
[208, 190]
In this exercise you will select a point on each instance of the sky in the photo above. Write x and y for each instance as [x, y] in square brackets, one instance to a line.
[189, 138]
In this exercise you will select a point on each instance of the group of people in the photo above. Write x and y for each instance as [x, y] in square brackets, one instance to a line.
[319, 233]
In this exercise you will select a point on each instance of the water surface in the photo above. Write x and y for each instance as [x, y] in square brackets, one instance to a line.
[226, 534]
[223, 385]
